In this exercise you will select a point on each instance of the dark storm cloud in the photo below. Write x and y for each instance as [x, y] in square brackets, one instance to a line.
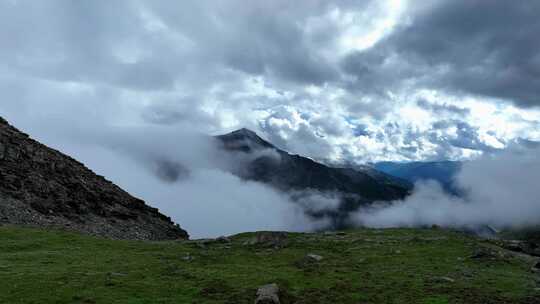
[488, 48]
[74, 41]
[262, 38]
[442, 108]
[175, 111]
[153, 45]
[196, 63]
[444, 137]
[467, 137]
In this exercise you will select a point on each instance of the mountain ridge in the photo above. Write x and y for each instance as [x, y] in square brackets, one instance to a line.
[290, 172]
[443, 172]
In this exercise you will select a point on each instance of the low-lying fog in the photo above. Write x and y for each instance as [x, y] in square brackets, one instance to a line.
[187, 177]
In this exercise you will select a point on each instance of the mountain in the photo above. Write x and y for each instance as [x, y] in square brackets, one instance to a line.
[42, 187]
[288, 172]
[442, 172]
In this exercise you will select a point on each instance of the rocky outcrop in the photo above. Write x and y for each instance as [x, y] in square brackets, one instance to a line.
[42, 187]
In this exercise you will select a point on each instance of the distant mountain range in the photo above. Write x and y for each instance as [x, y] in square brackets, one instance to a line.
[442, 172]
[380, 181]
[42, 187]
[287, 172]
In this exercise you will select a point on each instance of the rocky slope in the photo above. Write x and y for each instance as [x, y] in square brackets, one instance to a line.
[40, 186]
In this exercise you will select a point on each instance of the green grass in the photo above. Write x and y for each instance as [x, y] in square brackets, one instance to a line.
[363, 266]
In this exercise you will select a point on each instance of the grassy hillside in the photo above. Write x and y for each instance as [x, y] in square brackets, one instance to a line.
[360, 266]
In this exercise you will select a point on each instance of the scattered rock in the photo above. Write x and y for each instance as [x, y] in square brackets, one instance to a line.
[521, 247]
[309, 261]
[467, 273]
[484, 253]
[443, 280]
[204, 243]
[536, 267]
[268, 294]
[223, 239]
[314, 257]
[432, 239]
[268, 238]
[337, 234]
[187, 258]
[513, 245]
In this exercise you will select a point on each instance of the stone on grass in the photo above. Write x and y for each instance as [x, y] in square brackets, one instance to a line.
[268, 238]
[484, 253]
[536, 267]
[314, 257]
[443, 280]
[223, 239]
[268, 294]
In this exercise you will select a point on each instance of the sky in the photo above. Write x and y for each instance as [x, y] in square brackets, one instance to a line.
[359, 81]
[112, 82]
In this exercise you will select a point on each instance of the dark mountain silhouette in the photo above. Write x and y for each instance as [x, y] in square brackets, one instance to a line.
[40, 186]
[287, 172]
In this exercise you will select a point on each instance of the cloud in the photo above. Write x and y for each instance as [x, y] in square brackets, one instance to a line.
[233, 207]
[188, 177]
[500, 189]
[459, 47]
[325, 79]
[442, 108]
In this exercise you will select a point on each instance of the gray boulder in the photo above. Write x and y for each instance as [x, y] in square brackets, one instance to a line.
[269, 239]
[268, 294]
[314, 257]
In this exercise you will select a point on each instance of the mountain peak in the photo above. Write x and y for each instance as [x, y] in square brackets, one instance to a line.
[245, 140]
[245, 132]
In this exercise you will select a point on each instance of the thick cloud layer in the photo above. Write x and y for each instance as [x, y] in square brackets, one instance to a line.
[501, 192]
[341, 81]
[189, 178]
[475, 47]
[336, 80]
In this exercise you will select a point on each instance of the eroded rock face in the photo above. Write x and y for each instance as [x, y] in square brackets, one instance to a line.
[40, 186]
